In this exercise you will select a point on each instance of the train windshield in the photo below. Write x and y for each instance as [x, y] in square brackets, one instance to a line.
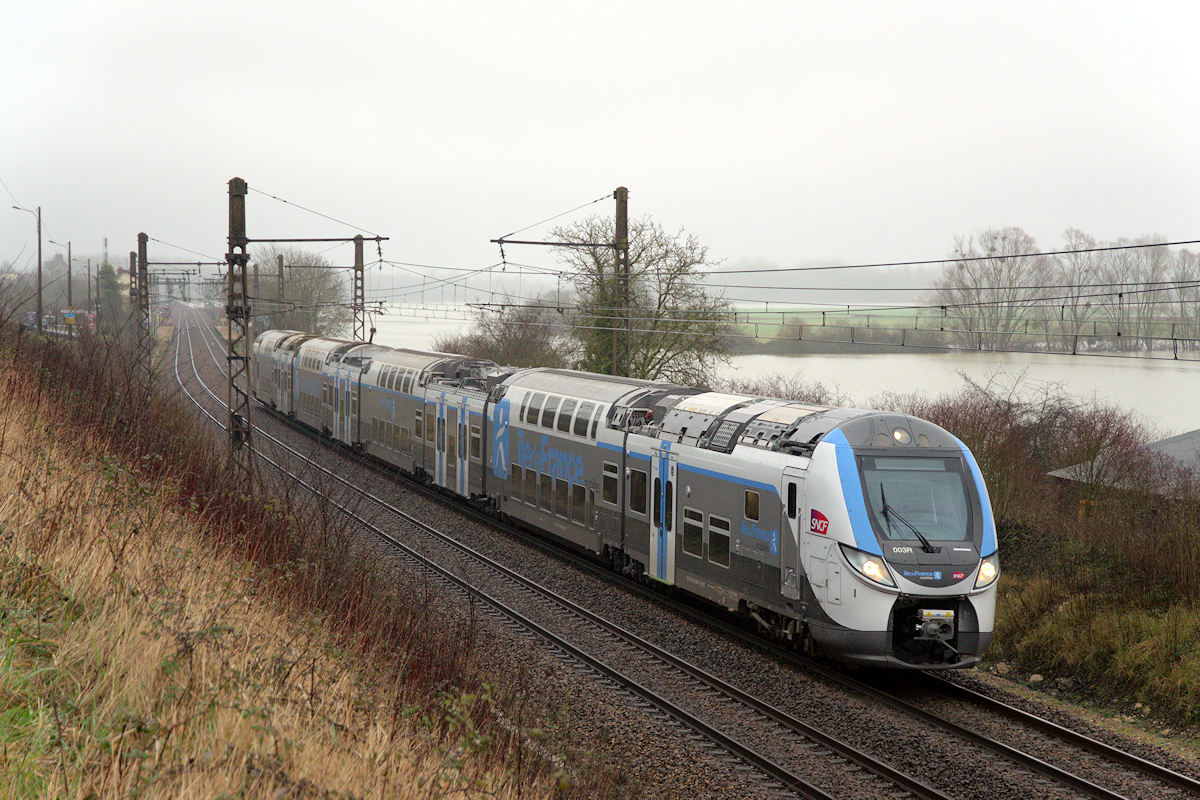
[911, 498]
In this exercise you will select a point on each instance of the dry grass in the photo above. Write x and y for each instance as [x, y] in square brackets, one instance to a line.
[167, 634]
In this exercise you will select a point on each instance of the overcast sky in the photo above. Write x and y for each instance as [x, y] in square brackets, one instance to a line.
[778, 133]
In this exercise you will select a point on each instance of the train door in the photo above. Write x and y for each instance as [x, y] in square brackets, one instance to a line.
[280, 382]
[450, 453]
[289, 382]
[665, 469]
[463, 484]
[339, 403]
[819, 555]
[353, 381]
[791, 491]
[440, 443]
[429, 460]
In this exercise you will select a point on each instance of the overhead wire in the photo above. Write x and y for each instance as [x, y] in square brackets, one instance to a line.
[186, 250]
[10, 192]
[556, 216]
[954, 260]
[311, 211]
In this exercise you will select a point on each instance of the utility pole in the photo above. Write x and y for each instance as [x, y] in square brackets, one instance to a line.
[621, 365]
[145, 342]
[237, 316]
[133, 285]
[360, 303]
[279, 279]
[38, 215]
[89, 286]
[39, 280]
[254, 325]
[70, 302]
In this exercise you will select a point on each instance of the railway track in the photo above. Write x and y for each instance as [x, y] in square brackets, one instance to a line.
[1057, 743]
[801, 756]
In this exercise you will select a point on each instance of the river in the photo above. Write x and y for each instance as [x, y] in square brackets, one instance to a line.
[1162, 392]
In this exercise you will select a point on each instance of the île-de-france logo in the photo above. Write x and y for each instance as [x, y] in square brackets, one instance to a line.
[500, 440]
[818, 523]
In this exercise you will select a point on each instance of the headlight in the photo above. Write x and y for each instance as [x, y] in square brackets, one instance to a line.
[870, 567]
[989, 570]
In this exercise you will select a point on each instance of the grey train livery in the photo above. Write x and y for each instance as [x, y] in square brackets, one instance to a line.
[866, 535]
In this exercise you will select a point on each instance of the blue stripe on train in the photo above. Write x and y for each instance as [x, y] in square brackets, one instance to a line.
[852, 495]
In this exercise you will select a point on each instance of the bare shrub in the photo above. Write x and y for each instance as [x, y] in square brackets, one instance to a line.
[786, 387]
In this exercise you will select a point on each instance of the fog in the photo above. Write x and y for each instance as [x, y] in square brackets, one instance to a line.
[780, 133]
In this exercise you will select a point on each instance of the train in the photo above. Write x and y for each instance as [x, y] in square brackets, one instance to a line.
[865, 536]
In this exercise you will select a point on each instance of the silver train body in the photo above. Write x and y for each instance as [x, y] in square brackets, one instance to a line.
[867, 535]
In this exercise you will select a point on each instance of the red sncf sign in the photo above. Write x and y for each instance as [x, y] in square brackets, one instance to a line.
[818, 523]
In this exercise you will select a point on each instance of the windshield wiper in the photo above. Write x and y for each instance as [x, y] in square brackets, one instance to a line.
[889, 512]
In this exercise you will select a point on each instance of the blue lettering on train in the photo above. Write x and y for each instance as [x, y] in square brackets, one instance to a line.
[538, 455]
[768, 535]
[500, 440]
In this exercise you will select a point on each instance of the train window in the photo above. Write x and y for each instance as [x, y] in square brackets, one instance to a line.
[791, 501]
[530, 487]
[670, 502]
[405, 439]
[406, 386]
[582, 417]
[548, 411]
[515, 478]
[657, 501]
[535, 408]
[718, 540]
[637, 491]
[590, 511]
[462, 446]
[441, 434]
[524, 405]
[546, 491]
[564, 415]
[693, 532]
[751, 505]
[562, 496]
[578, 493]
[451, 443]
[596, 420]
[430, 416]
[476, 443]
[418, 428]
[611, 472]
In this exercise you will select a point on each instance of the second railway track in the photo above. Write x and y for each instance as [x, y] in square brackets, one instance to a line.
[1135, 777]
[801, 758]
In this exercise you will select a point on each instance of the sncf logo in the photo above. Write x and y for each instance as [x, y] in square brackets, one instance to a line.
[818, 523]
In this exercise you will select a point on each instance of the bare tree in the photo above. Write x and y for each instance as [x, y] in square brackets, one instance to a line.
[990, 297]
[315, 296]
[678, 328]
[519, 335]
[1075, 275]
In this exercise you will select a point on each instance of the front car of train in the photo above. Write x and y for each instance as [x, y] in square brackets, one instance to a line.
[899, 545]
